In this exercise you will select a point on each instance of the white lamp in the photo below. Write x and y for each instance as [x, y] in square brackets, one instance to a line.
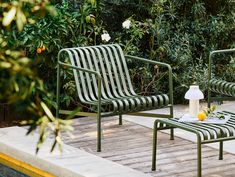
[194, 94]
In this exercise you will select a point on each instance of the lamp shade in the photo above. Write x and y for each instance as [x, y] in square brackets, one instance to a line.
[194, 93]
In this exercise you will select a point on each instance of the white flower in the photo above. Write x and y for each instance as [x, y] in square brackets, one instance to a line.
[105, 37]
[126, 24]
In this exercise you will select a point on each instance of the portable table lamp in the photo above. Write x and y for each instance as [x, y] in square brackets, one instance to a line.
[194, 94]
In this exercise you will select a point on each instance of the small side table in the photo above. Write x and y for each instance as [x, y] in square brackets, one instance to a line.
[206, 133]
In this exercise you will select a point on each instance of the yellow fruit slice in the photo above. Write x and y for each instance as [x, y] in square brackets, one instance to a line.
[201, 116]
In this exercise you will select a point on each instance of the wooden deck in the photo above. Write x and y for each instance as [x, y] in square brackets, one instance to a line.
[131, 145]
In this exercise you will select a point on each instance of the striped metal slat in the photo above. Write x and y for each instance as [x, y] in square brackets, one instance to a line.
[117, 89]
[224, 87]
[207, 131]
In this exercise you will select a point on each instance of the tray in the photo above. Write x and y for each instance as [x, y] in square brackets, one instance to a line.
[208, 120]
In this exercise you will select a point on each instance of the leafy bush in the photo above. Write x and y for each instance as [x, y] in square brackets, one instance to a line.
[181, 33]
[74, 25]
[21, 86]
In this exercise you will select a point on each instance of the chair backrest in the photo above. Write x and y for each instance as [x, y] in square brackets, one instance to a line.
[110, 62]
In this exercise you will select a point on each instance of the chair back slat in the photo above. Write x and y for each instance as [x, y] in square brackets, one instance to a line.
[87, 81]
[92, 65]
[121, 77]
[109, 70]
[110, 62]
[123, 66]
[102, 69]
[80, 76]
[71, 56]
[115, 73]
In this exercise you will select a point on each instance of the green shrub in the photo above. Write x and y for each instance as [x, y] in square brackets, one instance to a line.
[181, 33]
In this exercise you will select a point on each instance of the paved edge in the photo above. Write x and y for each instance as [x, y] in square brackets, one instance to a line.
[22, 167]
[71, 163]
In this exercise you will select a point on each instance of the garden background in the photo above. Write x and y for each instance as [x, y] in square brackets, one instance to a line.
[179, 32]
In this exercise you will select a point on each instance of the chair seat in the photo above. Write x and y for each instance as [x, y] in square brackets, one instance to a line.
[133, 103]
[223, 87]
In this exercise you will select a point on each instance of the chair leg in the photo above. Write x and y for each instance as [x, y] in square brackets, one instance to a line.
[172, 134]
[209, 99]
[99, 133]
[154, 153]
[199, 156]
[120, 119]
[221, 150]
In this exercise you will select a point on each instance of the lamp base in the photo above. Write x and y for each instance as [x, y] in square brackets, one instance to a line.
[193, 107]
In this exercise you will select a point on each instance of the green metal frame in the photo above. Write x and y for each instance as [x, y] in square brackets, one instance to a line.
[106, 49]
[222, 87]
[206, 133]
[170, 91]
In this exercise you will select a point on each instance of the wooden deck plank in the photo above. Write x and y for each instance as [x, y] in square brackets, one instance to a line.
[131, 145]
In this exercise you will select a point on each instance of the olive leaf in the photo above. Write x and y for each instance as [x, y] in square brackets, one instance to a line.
[9, 17]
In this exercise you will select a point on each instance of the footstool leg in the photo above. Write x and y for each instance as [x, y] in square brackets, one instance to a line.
[221, 150]
[199, 156]
[120, 119]
[154, 153]
[172, 134]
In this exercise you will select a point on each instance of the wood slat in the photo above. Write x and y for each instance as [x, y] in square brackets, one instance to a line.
[131, 145]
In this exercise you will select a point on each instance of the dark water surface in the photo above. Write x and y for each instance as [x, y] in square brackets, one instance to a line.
[9, 172]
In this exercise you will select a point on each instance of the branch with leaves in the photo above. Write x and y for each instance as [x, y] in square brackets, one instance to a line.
[20, 83]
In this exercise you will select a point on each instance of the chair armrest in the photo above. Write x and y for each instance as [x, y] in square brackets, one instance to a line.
[150, 61]
[161, 64]
[210, 58]
[80, 69]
